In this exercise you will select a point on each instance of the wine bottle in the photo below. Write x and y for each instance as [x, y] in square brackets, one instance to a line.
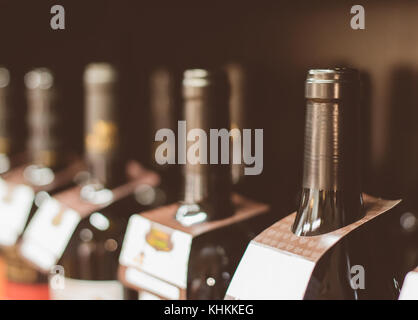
[164, 100]
[164, 103]
[90, 260]
[331, 196]
[207, 187]
[326, 244]
[79, 231]
[49, 170]
[203, 235]
[9, 144]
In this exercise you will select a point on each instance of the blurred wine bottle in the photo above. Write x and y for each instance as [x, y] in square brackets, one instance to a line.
[203, 235]
[9, 142]
[391, 171]
[82, 228]
[50, 169]
[164, 101]
[90, 260]
[10, 145]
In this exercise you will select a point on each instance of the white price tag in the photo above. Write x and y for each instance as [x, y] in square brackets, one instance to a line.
[279, 275]
[74, 289]
[48, 234]
[15, 205]
[410, 287]
[157, 250]
[152, 284]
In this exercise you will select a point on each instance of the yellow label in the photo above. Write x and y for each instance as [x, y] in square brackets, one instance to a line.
[103, 138]
[4, 145]
[56, 221]
[46, 158]
[159, 240]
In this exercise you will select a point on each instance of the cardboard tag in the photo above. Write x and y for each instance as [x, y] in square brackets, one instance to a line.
[151, 284]
[410, 286]
[15, 204]
[278, 264]
[75, 289]
[53, 224]
[48, 234]
[151, 250]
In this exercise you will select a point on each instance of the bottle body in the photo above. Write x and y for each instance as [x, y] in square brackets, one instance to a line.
[90, 259]
[48, 172]
[331, 196]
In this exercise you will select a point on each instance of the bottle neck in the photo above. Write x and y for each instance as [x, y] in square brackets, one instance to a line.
[7, 145]
[7, 138]
[102, 136]
[164, 101]
[5, 118]
[207, 185]
[331, 196]
[44, 138]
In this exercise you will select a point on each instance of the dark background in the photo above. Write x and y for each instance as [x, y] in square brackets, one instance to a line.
[278, 40]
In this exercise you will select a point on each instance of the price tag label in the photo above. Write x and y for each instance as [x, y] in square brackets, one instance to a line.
[156, 250]
[15, 204]
[282, 276]
[74, 289]
[410, 286]
[48, 233]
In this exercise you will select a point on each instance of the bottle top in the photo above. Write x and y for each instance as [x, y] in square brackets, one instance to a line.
[335, 83]
[100, 73]
[39, 78]
[4, 77]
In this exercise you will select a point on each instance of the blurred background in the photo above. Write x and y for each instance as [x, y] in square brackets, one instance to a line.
[278, 41]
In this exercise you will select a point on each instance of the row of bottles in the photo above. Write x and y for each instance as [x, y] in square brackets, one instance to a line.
[73, 212]
[104, 226]
[59, 207]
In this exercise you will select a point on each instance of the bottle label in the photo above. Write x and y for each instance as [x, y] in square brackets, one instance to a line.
[151, 284]
[281, 271]
[104, 137]
[147, 296]
[4, 145]
[48, 234]
[155, 252]
[75, 289]
[15, 205]
[25, 291]
[410, 286]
